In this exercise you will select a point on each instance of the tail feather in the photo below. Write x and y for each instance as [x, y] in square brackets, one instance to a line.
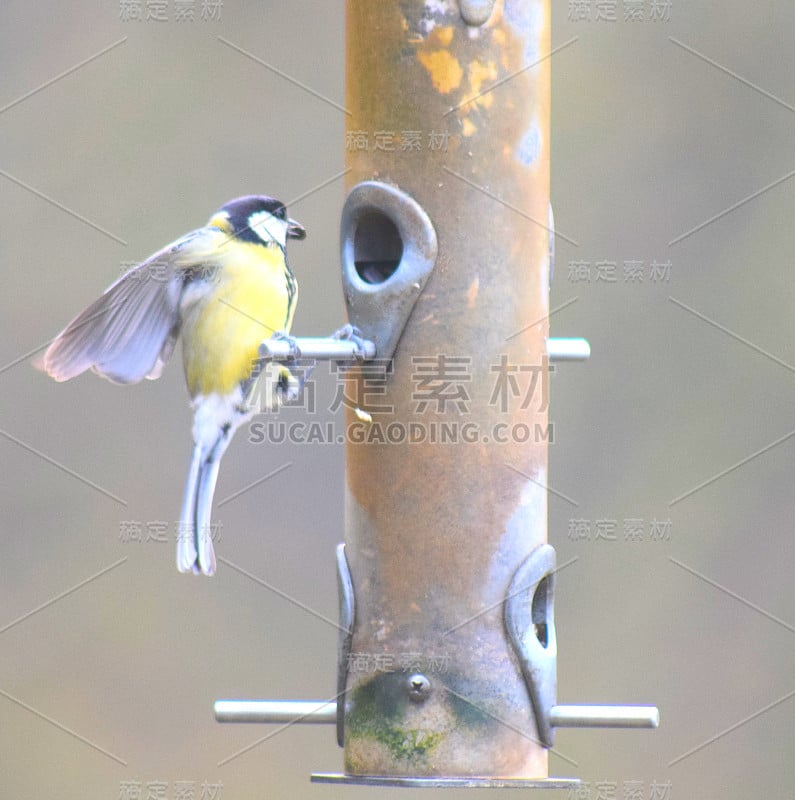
[204, 504]
[186, 532]
[195, 551]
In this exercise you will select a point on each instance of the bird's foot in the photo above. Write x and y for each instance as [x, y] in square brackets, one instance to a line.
[290, 341]
[350, 333]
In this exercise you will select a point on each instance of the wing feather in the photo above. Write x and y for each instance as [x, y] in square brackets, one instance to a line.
[129, 332]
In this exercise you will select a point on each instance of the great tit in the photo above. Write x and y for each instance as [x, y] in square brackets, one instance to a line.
[225, 287]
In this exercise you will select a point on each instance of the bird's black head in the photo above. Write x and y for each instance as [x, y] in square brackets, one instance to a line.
[259, 219]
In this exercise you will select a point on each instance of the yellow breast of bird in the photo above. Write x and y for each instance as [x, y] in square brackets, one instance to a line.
[251, 296]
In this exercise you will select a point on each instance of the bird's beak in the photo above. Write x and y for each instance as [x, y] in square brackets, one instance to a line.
[295, 230]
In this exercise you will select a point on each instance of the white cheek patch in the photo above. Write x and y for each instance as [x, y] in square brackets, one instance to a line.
[268, 227]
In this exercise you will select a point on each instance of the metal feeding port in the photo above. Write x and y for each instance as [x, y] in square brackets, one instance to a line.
[447, 648]
[388, 249]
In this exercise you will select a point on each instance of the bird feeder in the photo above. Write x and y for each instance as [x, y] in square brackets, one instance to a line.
[447, 650]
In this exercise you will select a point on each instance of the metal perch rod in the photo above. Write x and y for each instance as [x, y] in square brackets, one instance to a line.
[329, 349]
[320, 712]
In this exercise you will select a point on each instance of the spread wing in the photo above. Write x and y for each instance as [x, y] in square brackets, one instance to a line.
[129, 333]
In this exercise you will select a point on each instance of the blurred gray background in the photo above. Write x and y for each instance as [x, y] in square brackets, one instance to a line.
[690, 375]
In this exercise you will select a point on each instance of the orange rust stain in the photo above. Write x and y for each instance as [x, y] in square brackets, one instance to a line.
[442, 35]
[443, 67]
[468, 127]
[481, 77]
[501, 39]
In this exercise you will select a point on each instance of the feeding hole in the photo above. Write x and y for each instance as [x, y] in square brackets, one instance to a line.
[540, 612]
[377, 247]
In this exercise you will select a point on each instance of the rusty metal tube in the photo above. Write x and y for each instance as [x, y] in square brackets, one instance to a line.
[435, 530]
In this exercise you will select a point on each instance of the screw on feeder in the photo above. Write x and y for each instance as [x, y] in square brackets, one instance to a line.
[419, 687]
[476, 12]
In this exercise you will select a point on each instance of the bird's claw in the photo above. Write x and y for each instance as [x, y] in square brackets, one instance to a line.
[291, 342]
[350, 333]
